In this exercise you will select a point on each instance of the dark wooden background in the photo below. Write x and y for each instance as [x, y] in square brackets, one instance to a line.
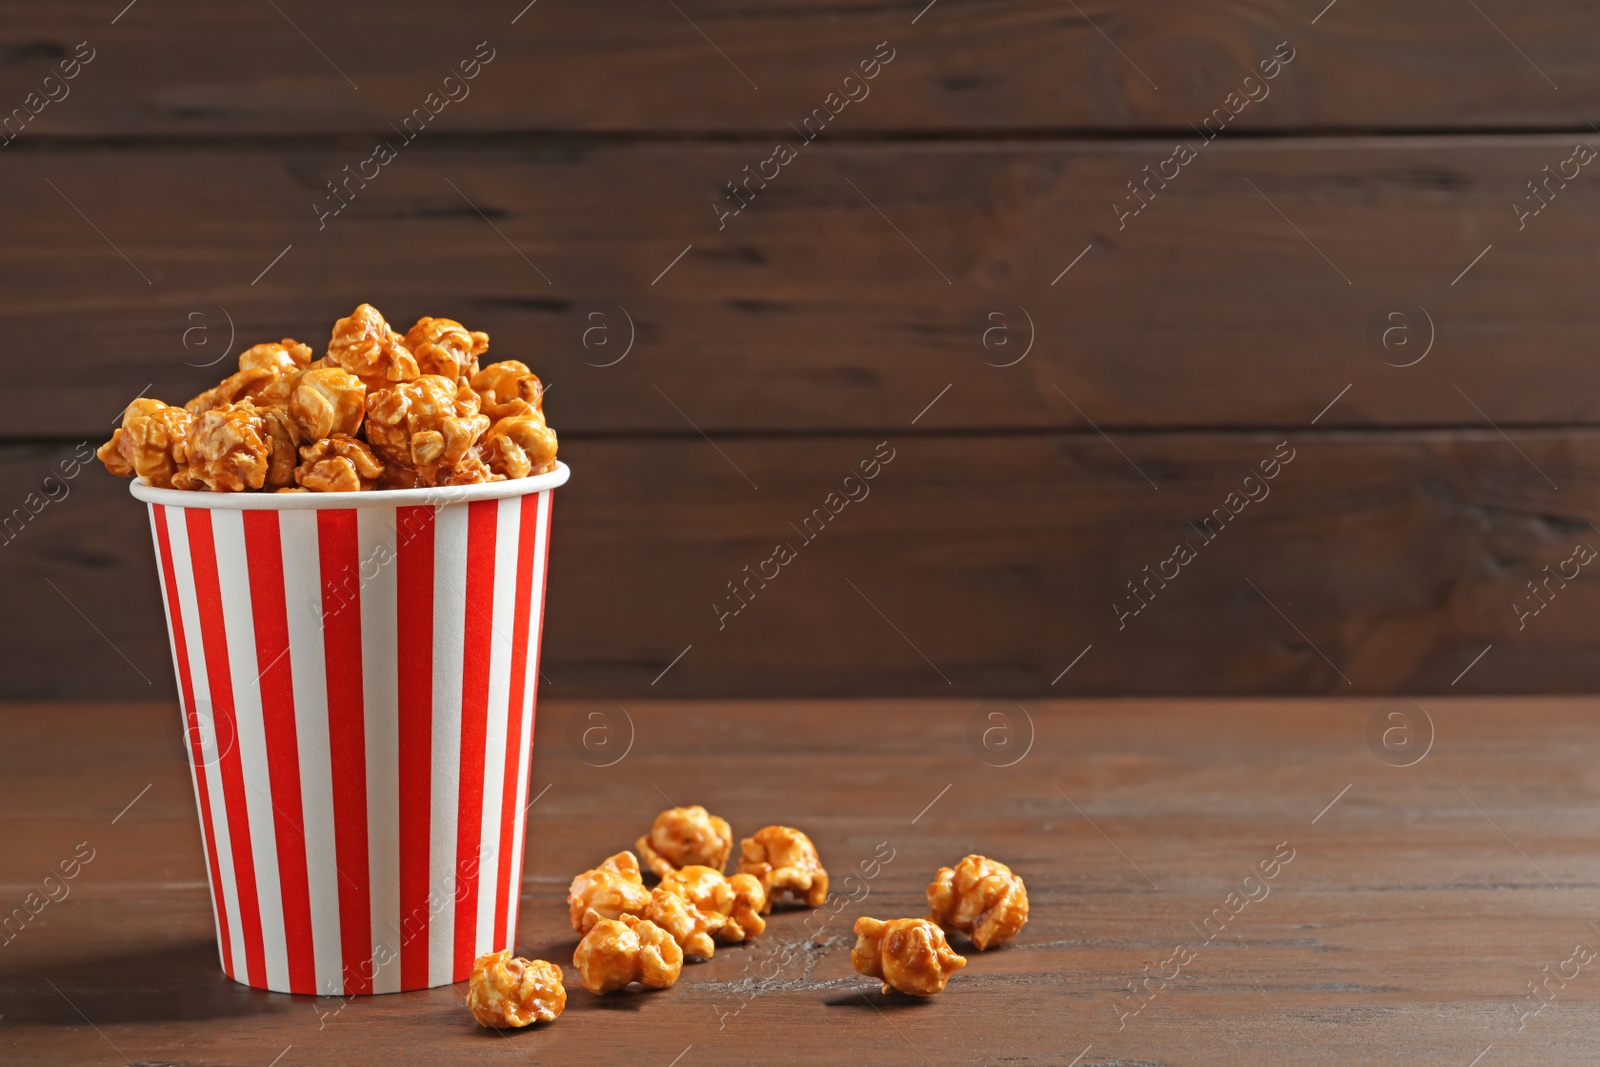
[139, 217]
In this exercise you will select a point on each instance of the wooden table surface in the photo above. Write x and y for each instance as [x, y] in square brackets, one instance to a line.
[1419, 905]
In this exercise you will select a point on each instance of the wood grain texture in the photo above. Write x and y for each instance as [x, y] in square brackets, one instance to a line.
[1417, 907]
[977, 565]
[1248, 293]
[631, 66]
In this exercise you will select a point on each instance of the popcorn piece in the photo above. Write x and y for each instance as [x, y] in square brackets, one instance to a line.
[910, 955]
[238, 446]
[152, 443]
[327, 401]
[241, 385]
[364, 345]
[697, 902]
[508, 388]
[262, 372]
[509, 991]
[783, 859]
[337, 464]
[689, 926]
[279, 357]
[427, 425]
[683, 836]
[609, 891]
[980, 898]
[445, 347]
[619, 951]
[519, 446]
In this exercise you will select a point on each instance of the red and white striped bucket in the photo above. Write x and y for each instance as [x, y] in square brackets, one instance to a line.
[357, 673]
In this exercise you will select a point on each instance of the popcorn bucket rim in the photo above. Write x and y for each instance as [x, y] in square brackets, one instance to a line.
[372, 498]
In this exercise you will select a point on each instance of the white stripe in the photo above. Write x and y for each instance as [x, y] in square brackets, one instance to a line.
[183, 569]
[188, 751]
[302, 583]
[449, 612]
[507, 523]
[519, 834]
[380, 697]
[240, 638]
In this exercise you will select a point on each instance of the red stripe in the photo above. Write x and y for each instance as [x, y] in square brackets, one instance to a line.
[508, 886]
[264, 546]
[478, 633]
[180, 652]
[225, 726]
[414, 649]
[538, 653]
[339, 552]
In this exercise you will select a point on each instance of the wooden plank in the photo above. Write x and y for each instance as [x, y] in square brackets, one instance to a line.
[978, 565]
[1223, 303]
[181, 68]
[1405, 928]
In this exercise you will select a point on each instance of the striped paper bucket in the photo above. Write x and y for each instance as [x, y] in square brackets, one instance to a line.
[357, 672]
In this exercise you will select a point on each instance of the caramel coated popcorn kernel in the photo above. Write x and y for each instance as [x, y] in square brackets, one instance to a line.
[783, 859]
[378, 411]
[364, 345]
[910, 955]
[328, 401]
[619, 951]
[696, 903]
[152, 443]
[980, 898]
[337, 464]
[508, 388]
[683, 836]
[609, 891]
[445, 347]
[429, 425]
[236, 446]
[509, 991]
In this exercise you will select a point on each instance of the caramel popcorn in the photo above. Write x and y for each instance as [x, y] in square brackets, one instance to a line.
[783, 859]
[337, 464]
[445, 347]
[980, 898]
[152, 443]
[378, 411]
[609, 891]
[910, 955]
[520, 445]
[695, 903]
[689, 926]
[428, 425]
[239, 446]
[509, 991]
[508, 388]
[683, 836]
[364, 345]
[279, 357]
[241, 385]
[327, 401]
[619, 951]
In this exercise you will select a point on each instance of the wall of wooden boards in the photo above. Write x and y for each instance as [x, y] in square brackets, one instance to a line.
[1072, 375]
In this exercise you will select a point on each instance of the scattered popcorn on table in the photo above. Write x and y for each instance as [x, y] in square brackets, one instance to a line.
[910, 955]
[981, 898]
[783, 859]
[619, 951]
[695, 903]
[609, 891]
[684, 836]
[509, 991]
[378, 411]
